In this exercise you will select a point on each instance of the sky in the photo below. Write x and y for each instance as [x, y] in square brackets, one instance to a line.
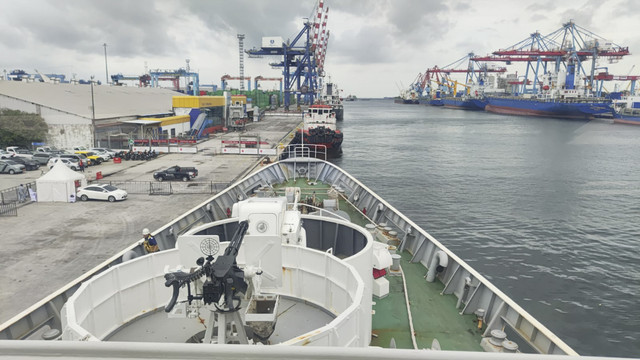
[375, 48]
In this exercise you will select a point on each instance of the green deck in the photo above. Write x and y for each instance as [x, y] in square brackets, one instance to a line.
[434, 315]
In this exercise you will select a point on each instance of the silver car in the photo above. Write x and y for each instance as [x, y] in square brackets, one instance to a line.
[8, 168]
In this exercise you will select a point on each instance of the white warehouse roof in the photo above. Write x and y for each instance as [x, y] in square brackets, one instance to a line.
[110, 101]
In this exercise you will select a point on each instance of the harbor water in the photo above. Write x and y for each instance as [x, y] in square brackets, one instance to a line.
[546, 209]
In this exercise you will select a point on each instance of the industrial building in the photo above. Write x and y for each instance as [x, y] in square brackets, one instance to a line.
[93, 115]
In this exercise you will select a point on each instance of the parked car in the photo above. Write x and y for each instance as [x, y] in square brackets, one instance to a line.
[5, 154]
[29, 164]
[101, 192]
[78, 157]
[95, 159]
[18, 151]
[10, 168]
[109, 152]
[98, 158]
[68, 162]
[42, 158]
[176, 173]
[49, 150]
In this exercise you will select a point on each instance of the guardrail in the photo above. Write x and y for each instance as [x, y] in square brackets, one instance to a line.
[12, 194]
[167, 187]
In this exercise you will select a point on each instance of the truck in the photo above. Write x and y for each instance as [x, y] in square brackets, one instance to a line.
[52, 150]
[18, 151]
[176, 173]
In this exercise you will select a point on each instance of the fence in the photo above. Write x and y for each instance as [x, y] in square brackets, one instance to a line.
[9, 209]
[12, 194]
[167, 187]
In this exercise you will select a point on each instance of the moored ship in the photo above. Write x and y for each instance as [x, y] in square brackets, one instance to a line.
[464, 103]
[570, 108]
[408, 97]
[627, 110]
[319, 129]
[559, 96]
[331, 96]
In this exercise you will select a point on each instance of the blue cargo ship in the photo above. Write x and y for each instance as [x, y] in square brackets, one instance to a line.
[559, 96]
[436, 102]
[572, 108]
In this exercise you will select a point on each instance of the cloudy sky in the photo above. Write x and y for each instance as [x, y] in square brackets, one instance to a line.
[375, 45]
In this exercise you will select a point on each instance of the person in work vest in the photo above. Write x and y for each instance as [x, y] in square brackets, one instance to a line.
[149, 242]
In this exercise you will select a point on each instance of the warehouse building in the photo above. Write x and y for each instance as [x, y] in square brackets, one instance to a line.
[99, 115]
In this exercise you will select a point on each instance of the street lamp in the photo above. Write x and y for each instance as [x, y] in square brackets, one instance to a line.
[106, 69]
[93, 112]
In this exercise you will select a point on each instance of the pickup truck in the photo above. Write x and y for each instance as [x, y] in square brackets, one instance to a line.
[52, 150]
[176, 173]
[18, 151]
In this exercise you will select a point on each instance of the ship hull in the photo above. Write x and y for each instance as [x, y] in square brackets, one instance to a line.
[339, 110]
[436, 102]
[561, 109]
[626, 119]
[406, 101]
[464, 104]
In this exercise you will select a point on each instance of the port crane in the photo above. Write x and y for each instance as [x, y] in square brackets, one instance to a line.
[225, 80]
[605, 76]
[476, 72]
[302, 58]
[261, 78]
[570, 48]
[143, 80]
[174, 76]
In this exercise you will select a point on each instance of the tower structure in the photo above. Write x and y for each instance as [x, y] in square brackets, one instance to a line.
[241, 57]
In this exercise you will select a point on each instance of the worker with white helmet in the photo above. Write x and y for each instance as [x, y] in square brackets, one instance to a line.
[150, 243]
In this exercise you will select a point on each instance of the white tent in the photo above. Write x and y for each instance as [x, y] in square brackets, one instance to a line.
[59, 184]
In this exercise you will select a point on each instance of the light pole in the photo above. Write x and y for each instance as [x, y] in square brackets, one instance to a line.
[105, 62]
[93, 112]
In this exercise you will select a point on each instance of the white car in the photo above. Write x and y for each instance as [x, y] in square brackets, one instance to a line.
[5, 154]
[70, 164]
[109, 152]
[101, 192]
[103, 154]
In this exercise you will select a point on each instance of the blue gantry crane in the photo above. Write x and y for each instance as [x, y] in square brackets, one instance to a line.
[174, 75]
[570, 48]
[299, 64]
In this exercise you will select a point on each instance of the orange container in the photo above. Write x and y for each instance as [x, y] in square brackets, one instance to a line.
[98, 175]
[117, 160]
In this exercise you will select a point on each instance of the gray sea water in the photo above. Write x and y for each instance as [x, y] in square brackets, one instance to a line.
[547, 209]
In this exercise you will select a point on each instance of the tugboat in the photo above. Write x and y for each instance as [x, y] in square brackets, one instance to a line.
[627, 110]
[320, 130]
[408, 97]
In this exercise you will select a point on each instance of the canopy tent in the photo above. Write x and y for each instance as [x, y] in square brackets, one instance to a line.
[59, 184]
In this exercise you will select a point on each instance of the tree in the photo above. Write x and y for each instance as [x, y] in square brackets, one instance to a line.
[19, 128]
